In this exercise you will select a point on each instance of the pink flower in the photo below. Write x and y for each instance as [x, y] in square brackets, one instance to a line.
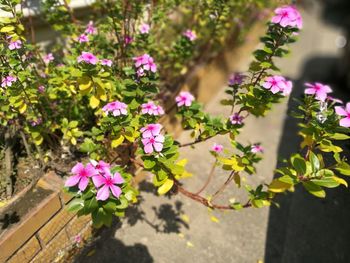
[48, 58]
[144, 28]
[152, 144]
[287, 16]
[217, 148]
[7, 81]
[236, 119]
[17, 44]
[151, 109]
[184, 98]
[151, 130]
[335, 100]
[109, 183]
[236, 79]
[77, 239]
[81, 176]
[128, 40]
[88, 57]
[191, 35]
[41, 89]
[83, 38]
[278, 84]
[257, 148]
[146, 63]
[159, 110]
[318, 89]
[106, 62]
[90, 29]
[116, 107]
[101, 166]
[341, 111]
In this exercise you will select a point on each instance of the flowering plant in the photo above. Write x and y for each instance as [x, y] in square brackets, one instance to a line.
[101, 97]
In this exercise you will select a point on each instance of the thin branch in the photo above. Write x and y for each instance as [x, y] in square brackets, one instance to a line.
[208, 179]
[222, 188]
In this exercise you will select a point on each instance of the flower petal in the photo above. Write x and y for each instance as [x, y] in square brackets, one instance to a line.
[158, 146]
[340, 111]
[345, 122]
[77, 168]
[117, 178]
[84, 181]
[72, 180]
[148, 148]
[103, 193]
[116, 191]
[98, 180]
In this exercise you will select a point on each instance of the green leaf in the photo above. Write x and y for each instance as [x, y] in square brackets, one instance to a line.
[328, 182]
[314, 189]
[343, 168]
[149, 164]
[75, 205]
[339, 136]
[277, 186]
[299, 164]
[315, 163]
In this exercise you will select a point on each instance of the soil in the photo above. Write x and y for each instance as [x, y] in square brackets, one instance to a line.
[27, 172]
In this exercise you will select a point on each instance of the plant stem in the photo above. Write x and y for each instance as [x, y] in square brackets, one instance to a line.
[222, 188]
[208, 179]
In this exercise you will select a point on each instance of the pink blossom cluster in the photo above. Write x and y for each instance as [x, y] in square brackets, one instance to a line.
[344, 112]
[117, 108]
[217, 148]
[152, 140]
[90, 28]
[318, 89]
[257, 148]
[278, 84]
[83, 38]
[17, 44]
[151, 108]
[184, 99]
[144, 63]
[191, 35]
[103, 179]
[236, 119]
[88, 58]
[7, 81]
[236, 79]
[48, 58]
[106, 62]
[287, 16]
[144, 28]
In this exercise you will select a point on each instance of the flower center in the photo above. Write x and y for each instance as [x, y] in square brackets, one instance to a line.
[109, 181]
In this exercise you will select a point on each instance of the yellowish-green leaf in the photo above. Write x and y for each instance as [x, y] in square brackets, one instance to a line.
[168, 184]
[94, 102]
[7, 29]
[340, 181]
[314, 189]
[214, 219]
[23, 108]
[277, 186]
[115, 143]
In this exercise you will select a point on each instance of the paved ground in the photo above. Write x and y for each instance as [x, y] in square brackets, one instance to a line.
[158, 232]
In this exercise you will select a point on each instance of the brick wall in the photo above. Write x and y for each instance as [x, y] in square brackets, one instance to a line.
[48, 231]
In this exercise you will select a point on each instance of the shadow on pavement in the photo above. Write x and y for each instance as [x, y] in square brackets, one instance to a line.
[109, 249]
[306, 228]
